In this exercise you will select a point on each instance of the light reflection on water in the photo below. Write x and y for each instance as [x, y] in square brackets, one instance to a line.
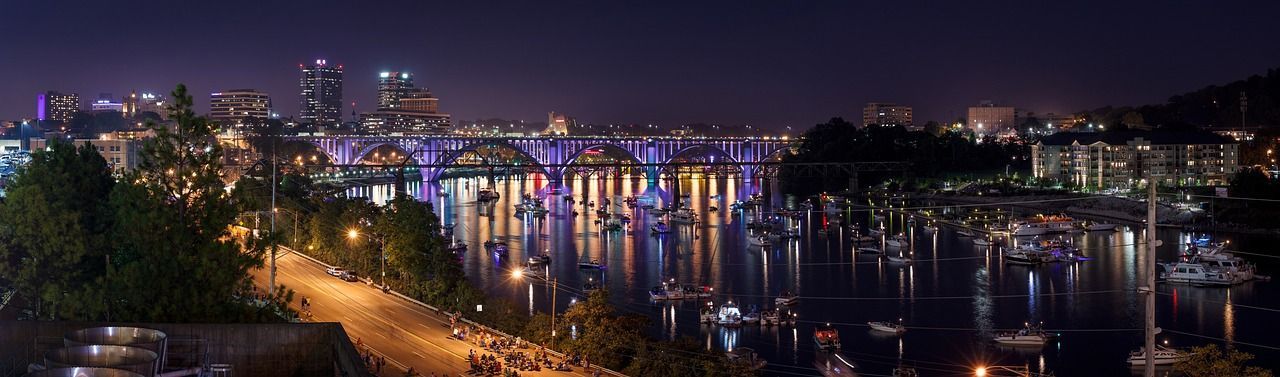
[715, 253]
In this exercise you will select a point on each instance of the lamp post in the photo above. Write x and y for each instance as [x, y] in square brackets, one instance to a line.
[519, 274]
[353, 234]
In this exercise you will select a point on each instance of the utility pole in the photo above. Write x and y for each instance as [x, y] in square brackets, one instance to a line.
[272, 289]
[554, 285]
[1149, 289]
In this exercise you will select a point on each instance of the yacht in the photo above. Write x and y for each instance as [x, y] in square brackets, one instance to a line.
[897, 241]
[786, 299]
[1163, 356]
[826, 338]
[1024, 255]
[770, 318]
[888, 327]
[1195, 274]
[729, 316]
[1042, 224]
[760, 240]
[981, 242]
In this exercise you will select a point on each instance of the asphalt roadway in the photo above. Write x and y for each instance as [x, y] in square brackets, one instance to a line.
[407, 334]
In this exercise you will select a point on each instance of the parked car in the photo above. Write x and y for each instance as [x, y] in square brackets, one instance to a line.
[348, 276]
[335, 271]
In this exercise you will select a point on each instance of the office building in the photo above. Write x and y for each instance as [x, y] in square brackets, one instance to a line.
[105, 103]
[403, 108]
[988, 118]
[57, 107]
[1122, 159]
[886, 114]
[233, 106]
[321, 87]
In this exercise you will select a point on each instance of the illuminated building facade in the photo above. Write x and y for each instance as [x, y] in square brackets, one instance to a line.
[321, 93]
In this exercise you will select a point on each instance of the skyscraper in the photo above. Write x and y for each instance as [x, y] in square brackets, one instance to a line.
[57, 107]
[392, 86]
[321, 86]
[234, 105]
[403, 108]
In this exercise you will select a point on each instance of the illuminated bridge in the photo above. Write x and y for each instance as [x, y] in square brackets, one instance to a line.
[554, 156]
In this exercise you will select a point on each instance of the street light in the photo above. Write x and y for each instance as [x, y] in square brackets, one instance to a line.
[352, 234]
[518, 273]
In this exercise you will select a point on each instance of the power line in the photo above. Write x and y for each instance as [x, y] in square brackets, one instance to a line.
[1263, 346]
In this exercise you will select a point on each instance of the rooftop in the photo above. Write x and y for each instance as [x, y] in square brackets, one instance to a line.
[1123, 137]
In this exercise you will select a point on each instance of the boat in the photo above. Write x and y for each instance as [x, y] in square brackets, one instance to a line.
[868, 250]
[708, 315]
[834, 364]
[864, 239]
[760, 240]
[1024, 255]
[745, 357]
[488, 195]
[1042, 224]
[888, 327]
[1217, 259]
[1101, 227]
[981, 242]
[592, 265]
[770, 318]
[964, 233]
[712, 208]
[498, 248]
[542, 258]
[660, 228]
[658, 294]
[786, 299]
[457, 247]
[729, 316]
[684, 215]
[752, 316]
[1163, 356]
[1028, 336]
[590, 285]
[898, 259]
[826, 338]
[1195, 274]
[897, 241]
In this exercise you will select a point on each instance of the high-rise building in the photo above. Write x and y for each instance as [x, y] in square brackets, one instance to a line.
[886, 114]
[403, 108]
[105, 103]
[232, 106]
[321, 86]
[987, 118]
[558, 124]
[57, 107]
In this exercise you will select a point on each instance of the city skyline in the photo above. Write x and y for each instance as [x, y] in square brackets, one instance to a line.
[666, 65]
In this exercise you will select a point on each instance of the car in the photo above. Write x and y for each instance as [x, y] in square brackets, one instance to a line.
[335, 271]
[348, 276]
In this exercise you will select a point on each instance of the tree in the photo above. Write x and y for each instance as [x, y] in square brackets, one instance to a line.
[415, 250]
[173, 259]
[52, 228]
[1210, 361]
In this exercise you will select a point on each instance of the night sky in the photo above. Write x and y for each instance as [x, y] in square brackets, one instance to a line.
[771, 63]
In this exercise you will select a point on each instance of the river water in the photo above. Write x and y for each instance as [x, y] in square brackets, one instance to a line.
[952, 299]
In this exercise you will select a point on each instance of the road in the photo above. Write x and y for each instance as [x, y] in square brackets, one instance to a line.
[407, 334]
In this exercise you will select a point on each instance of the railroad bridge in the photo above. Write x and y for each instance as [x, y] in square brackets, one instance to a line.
[554, 155]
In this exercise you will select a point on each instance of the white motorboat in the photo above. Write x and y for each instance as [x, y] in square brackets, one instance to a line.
[1042, 224]
[888, 327]
[542, 258]
[760, 241]
[1195, 274]
[981, 242]
[1163, 356]
[787, 298]
[1024, 255]
[729, 316]
[964, 233]
[897, 241]
[1101, 227]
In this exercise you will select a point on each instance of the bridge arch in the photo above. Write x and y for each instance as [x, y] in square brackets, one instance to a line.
[292, 149]
[449, 157]
[371, 147]
[688, 148]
